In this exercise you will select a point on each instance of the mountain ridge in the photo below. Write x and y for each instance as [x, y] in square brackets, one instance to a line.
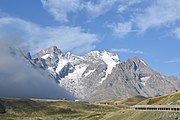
[101, 75]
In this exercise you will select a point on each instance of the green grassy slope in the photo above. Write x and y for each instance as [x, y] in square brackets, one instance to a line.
[36, 109]
[171, 99]
[122, 103]
[33, 109]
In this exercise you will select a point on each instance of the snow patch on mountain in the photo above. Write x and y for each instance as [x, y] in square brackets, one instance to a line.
[89, 72]
[163, 76]
[143, 62]
[78, 72]
[61, 64]
[111, 61]
[45, 56]
[95, 53]
[144, 79]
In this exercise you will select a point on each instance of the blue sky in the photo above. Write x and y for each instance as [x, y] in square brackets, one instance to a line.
[149, 29]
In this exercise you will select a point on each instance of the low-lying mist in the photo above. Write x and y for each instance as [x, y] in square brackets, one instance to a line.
[19, 79]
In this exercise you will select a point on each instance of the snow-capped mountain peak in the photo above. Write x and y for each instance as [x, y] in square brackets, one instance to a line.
[101, 55]
[51, 50]
[101, 75]
[94, 53]
[109, 55]
[111, 61]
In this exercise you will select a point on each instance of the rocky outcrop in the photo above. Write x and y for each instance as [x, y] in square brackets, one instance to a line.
[134, 78]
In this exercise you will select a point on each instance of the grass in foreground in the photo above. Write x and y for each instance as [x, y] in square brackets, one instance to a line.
[170, 99]
[27, 109]
[35, 109]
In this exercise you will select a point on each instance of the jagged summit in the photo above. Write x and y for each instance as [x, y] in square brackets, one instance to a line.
[104, 52]
[137, 60]
[101, 75]
[51, 51]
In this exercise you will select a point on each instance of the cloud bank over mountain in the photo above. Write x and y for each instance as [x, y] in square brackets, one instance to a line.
[18, 79]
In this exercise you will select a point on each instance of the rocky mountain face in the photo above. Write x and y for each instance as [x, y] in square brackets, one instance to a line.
[101, 75]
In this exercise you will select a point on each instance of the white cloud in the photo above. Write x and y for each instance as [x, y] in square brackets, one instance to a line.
[177, 32]
[19, 79]
[121, 29]
[60, 8]
[158, 12]
[124, 50]
[125, 5]
[173, 61]
[73, 39]
[101, 7]
[155, 14]
[163, 12]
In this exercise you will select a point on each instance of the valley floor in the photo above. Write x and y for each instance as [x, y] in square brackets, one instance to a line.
[35, 109]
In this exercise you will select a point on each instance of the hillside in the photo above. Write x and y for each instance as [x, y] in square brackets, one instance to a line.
[123, 102]
[170, 99]
[38, 109]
